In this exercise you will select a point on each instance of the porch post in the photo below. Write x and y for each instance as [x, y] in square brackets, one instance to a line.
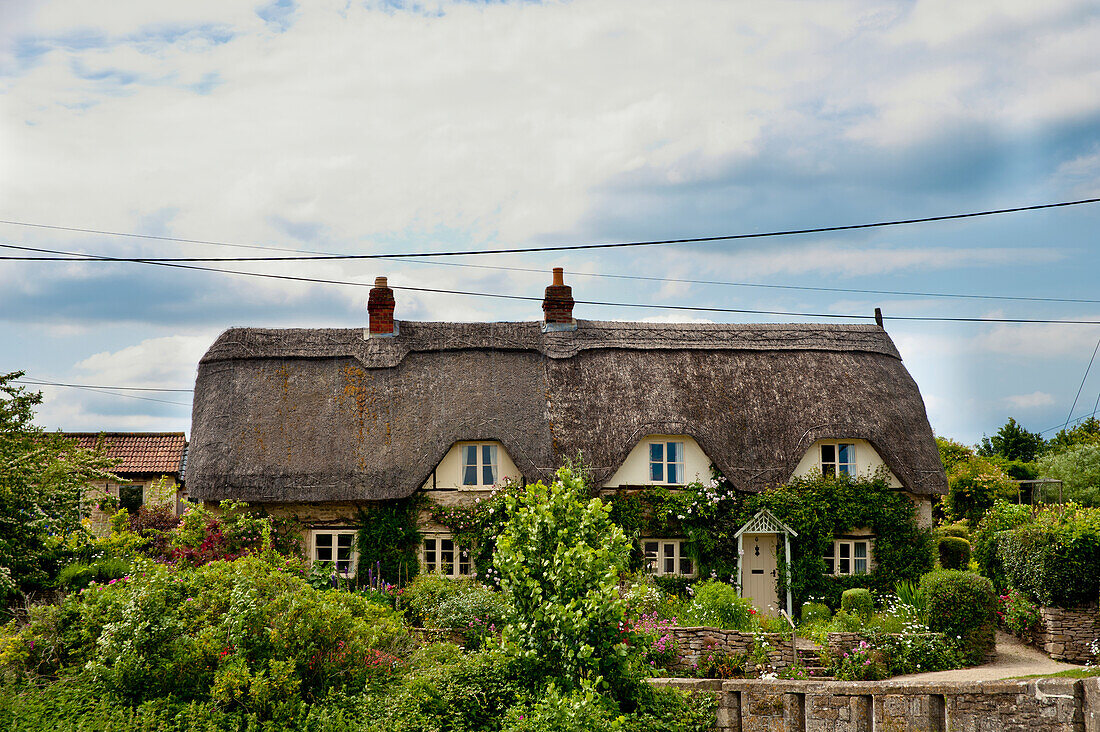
[790, 562]
[740, 551]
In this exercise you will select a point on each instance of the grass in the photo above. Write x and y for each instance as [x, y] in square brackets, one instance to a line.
[1070, 673]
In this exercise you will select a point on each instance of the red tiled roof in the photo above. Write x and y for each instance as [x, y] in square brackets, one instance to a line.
[138, 452]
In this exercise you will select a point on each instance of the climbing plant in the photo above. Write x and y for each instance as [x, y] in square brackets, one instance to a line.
[388, 540]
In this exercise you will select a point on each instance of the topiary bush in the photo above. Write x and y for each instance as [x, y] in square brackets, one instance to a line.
[963, 606]
[958, 530]
[954, 552]
[857, 601]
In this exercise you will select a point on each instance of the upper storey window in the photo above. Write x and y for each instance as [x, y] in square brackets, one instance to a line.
[838, 458]
[480, 465]
[666, 462]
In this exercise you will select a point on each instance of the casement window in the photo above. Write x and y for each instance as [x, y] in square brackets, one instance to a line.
[439, 554]
[336, 546]
[480, 465]
[666, 462]
[667, 557]
[838, 458]
[848, 556]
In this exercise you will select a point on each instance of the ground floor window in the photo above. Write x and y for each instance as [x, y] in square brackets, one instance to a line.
[336, 546]
[848, 556]
[667, 557]
[439, 554]
[131, 496]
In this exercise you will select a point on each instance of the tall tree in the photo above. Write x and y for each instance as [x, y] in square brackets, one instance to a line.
[1013, 442]
[1086, 432]
[42, 482]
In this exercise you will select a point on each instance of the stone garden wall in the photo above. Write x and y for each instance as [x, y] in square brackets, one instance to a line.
[1068, 634]
[696, 642]
[1050, 705]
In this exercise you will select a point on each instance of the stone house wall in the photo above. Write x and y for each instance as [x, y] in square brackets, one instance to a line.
[1051, 705]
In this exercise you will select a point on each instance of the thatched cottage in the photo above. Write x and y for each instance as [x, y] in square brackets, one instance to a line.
[321, 422]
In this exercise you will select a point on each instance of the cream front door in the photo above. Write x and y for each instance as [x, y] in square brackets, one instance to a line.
[758, 572]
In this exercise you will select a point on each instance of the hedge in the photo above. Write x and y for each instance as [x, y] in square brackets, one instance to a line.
[954, 552]
[1054, 558]
[963, 606]
[857, 601]
[1002, 517]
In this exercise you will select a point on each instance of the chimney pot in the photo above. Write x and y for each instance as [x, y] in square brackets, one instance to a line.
[380, 306]
[557, 304]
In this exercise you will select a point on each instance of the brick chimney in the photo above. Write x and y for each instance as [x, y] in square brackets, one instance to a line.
[557, 304]
[380, 306]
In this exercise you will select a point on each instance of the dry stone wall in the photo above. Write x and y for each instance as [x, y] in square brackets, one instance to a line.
[1069, 634]
[695, 643]
[1050, 705]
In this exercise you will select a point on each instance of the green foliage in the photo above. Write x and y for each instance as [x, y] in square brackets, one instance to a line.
[954, 552]
[77, 576]
[973, 486]
[1078, 467]
[42, 480]
[1001, 517]
[1085, 432]
[962, 605]
[479, 525]
[881, 655]
[1019, 614]
[1013, 442]
[463, 605]
[559, 559]
[816, 612]
[958, 530]
[716, 604]
[242, 634]
[1053, 558]
[388, 539]
[952, 452]
[908, 594]
[718, 665]
[862, 663]
[857, 601]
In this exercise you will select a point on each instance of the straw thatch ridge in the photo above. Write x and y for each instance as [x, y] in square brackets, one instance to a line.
[326, 415]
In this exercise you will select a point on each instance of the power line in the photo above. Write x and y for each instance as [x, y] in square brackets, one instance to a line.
[108, 393]
[1082, 386]
[497, 295]
[97, 386]
[554, 248]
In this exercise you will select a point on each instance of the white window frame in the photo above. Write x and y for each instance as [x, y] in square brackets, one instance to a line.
[432, 553]
[333, 548]
[658, 554]
[833, 468]
[678, 465]
[849, 547]
[479, 465]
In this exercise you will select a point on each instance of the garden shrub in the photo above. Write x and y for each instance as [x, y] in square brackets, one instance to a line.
[857, 601]
[1001, 517]
[862, 663]
[957, 530]
[716, 604]
[719, 665]
[559, 559]
[816, 612]
[962, 605]
[973, 486]
[1054, 557]
[1019, 614]
[954, 552]
[846, 622]
[78, 575]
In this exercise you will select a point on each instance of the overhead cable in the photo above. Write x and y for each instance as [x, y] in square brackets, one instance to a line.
[552, 248]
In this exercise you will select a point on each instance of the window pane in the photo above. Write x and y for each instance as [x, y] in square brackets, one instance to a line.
[463, 561]
[830, 564]
[429, 555]
[675, 452]
[657, 472]
[670, 558]
[657, 452]
[859, 566]
[324, 554]
[469, 475]
[650, 548]
[323, 547]
[344, 540]
[845, 566]
[675, 473]
[860, 549]
[845, 550]
[687, 568]
[323, 540]
[828, 453]
[843, 451]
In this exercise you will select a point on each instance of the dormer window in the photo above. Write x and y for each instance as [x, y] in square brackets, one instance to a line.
[480, 466]
[666, 462]
[838, 458]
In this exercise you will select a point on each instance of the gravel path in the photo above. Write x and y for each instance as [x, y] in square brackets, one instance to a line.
[1014, 658]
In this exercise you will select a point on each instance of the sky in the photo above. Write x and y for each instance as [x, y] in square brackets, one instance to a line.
[398, 127]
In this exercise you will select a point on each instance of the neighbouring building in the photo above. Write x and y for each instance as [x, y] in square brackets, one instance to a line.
[321, 422]
[150, 464]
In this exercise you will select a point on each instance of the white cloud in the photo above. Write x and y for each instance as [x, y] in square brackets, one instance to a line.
[1029, 401]
[168, 361]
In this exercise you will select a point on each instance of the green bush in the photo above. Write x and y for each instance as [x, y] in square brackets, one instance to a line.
[963, 606]
[815, 612]
[958, 530]
[1054, 557]
[436, 601]
[954, 552]
[857, 601]
[1001, 517]
[716, 604]
[973, 486]
[1019, 614]
[78, 575]
[559, 559]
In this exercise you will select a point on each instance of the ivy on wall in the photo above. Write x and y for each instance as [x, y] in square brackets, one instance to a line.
[388, 539]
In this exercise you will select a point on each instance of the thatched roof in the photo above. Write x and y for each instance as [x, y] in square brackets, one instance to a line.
[320, 415]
